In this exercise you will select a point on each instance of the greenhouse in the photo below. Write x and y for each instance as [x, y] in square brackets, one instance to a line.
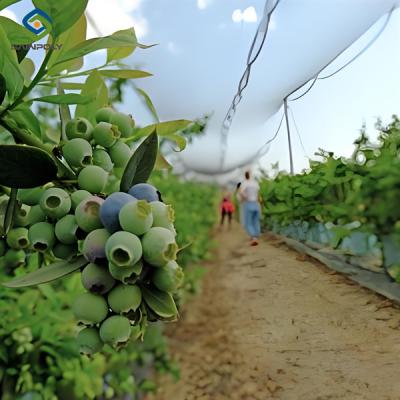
[198, 199]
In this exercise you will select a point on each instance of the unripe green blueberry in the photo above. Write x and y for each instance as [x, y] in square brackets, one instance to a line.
[115, 330]
[42, 236]
[89, 341]
[87, 214]
[14, 258]
[17, 238]
[92, 179]
[78, 196]
[105, 134]
[55, 203]
[97, 279]
[104, 114]
[93, 247]
[136, 217]
[30, 197]
[90, 308]
[78, 153]
[123, 249]
[163, 214]
[124, 298]
[120, 154]
[168, 278]
[159, 246]
[79, 128]
[3, 247]
[126, 274]
[21, 215]
[113, 184]
[102, 160]
[124, 122]
[36, 214]
[66, 228]
[65, 251]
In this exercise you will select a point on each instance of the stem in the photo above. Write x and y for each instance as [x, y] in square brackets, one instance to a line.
[40, 74]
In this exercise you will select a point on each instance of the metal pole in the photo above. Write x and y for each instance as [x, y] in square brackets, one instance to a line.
[288, 135]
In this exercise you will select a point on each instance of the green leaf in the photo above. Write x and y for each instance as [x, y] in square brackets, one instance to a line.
[3, 89]
[10, 211]
[121, 39]
[25, 166]
[74, 35]
[69, 98]
[63, 13]
[47, 274]
[179, 140]
[162, 163]
[148, 103]
[66, 85]
[141, 163]
[9, 67]
[124, 73]
[118, 53]
[28, 69]
[161, 303]
[6, 3]
[64, 112]
[26, 119]
[16, 33]
[97, 89]
[169, 127]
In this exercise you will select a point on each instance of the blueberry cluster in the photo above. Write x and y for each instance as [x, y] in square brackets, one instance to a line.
[128, 239]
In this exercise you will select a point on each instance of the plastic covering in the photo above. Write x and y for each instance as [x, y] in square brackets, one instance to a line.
[306, 35]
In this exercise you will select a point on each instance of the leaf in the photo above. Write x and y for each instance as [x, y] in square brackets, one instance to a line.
[159, 302]
[25, 166]
[27, 68]
[63, 13]
[9, 67]
[16, 33]
[64, 112]
[3, 89]
[47, 274]
[74, 35]
[97, 89]
[162, 163]
[66, 85]
[179, 140]
[124, 73]
[118, 53]
[26, 119]
[121, 39]
[10, 211]
[69, 98]
[141, 164]
[148, 103]
[169, 127]
[6, 3]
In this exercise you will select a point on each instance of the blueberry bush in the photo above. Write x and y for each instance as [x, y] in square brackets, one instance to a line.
[89, 251]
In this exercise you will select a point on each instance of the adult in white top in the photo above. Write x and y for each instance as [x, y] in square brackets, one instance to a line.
[249, 192]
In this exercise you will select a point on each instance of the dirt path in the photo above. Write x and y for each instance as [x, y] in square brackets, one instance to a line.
[271, 324]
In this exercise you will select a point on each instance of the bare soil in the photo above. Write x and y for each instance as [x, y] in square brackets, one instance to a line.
[273, 324]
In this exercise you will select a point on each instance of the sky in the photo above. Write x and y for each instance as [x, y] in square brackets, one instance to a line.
[201, 55]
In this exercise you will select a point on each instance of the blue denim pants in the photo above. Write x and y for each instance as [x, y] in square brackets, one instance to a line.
[252, 213]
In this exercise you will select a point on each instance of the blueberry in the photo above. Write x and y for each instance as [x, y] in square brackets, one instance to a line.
[55, 202]
[93, 247]
[42, 236]
[144, 191]
[136, 217]
[115, 330]
[105, 134]
[120, 154]
[87, 213]
[109, 210]
[102, 159]
[90, 308]
[79, 128]
[123, 249]
[97, 279]
[93, 179]
[66, 228]
[89, 341]
[124, 298]
[17, 238]
[78, 153]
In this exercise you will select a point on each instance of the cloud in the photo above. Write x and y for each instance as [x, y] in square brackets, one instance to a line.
[247, 15]
[116, 15]
[203, 4]
[8, 14]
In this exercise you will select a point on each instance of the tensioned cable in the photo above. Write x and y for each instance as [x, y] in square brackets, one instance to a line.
[369, 44]
[244, 80]
[298, 132]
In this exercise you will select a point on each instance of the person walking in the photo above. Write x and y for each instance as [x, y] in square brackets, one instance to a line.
[227, 209]
[249, 192]
[239, 204]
